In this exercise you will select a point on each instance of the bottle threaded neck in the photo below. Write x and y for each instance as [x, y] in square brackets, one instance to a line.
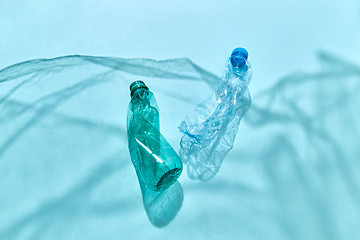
[136, 85]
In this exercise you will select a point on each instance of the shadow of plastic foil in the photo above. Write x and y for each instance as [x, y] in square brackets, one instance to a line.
[63, 142]
[309, 128]
[65, 171]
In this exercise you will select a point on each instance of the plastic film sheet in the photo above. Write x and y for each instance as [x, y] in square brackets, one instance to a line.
[65, 171]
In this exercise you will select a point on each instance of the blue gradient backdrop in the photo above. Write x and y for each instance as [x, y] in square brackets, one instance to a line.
[65, 172]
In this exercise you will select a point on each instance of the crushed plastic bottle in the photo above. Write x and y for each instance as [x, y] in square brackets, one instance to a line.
[156, 163]
[210, 128]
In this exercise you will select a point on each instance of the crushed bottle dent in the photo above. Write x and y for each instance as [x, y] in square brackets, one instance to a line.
[209, 130]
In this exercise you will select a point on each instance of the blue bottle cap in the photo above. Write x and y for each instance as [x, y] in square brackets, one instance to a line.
[238, 57]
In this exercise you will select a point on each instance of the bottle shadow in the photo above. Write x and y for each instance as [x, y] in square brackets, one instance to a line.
[162, 207]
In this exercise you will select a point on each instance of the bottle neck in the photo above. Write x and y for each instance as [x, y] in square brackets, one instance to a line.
[140, 93]
[137, 85]
[140, 99]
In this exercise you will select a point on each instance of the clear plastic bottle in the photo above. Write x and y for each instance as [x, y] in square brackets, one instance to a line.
[155, 161]
[210, 128]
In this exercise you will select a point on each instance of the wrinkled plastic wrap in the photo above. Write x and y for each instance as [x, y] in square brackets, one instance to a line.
[211, 127]
[66, 173]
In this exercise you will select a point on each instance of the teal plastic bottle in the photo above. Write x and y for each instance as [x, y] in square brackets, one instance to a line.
[155, 161]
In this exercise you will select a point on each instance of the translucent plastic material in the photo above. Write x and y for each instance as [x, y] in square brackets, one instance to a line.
[210, 128]
[66, 172]
[155, 161]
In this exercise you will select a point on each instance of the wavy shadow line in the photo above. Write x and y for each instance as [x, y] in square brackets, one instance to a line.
[50, 102]
[69, 202]
[312, 123]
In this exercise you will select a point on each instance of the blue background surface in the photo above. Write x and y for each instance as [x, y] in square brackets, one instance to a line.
[65, 172]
